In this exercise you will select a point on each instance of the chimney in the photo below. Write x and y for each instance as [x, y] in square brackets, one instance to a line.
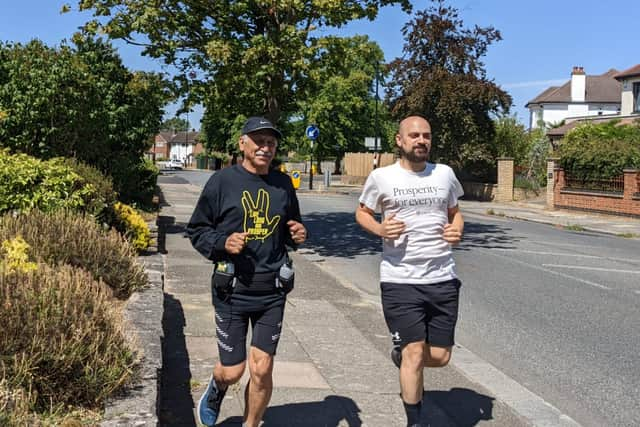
[578, 84]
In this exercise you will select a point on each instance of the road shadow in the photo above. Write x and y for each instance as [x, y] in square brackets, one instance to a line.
[486, 236]
[176, 402]
[337, 234]
[167, 177]
[464, 407]
[328, 413]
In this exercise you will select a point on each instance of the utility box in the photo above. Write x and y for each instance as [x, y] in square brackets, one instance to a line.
[295, 179]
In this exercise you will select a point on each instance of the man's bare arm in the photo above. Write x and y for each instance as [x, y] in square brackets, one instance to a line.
[390, 228]
[453, 230]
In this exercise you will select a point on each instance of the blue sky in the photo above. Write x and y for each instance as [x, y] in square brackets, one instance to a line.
[542, 40]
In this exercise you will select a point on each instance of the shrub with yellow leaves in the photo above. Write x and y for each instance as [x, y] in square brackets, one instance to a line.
[15, 255]
[133, 226]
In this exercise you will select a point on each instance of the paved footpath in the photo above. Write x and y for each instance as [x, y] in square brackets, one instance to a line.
[332, 367]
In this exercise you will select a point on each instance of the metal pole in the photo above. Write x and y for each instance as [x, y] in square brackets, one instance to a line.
[375, 144]
[311, 168]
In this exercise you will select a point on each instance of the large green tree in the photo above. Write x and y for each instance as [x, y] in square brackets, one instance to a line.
[511, 139]
[78, 100]
[251, 56]
[175, 124]
[442, 77]
[342, 103]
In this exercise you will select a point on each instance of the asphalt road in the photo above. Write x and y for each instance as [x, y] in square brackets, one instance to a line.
[555, 310]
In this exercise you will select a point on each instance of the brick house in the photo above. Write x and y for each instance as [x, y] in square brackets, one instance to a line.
[176, 145]
[160, 148]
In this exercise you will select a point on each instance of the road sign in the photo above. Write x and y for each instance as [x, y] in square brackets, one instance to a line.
[312, 132]
[371, 144]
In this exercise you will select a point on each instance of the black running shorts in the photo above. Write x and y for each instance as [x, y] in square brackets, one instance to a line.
[421, 312]
[233, 314]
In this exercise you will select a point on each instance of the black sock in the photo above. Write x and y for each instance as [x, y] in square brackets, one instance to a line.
[413, 412]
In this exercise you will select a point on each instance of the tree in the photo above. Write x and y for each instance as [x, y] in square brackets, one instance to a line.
[601, 150]
[175, 124]
[441, 76]
[79, 101]
[342, 104]
[255, 56]
[511, 139]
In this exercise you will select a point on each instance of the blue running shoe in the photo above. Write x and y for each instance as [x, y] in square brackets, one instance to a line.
[209, 404]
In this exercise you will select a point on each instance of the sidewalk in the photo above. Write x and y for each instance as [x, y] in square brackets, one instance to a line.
[332, 367]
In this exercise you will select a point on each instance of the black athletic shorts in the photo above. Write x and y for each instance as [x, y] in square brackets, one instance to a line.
[421, 312]
[233, 314]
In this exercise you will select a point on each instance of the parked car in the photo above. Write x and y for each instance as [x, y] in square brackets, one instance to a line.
[176, 164]
[171, 164]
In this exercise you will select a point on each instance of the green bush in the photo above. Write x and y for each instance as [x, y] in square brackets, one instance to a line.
[66, 238]
[100, 206]
[526, 183]
[135, 180]
[62, 342]
[601, 151]
[28, 183]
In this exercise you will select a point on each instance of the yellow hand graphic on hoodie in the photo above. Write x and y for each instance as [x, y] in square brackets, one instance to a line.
[256, 220]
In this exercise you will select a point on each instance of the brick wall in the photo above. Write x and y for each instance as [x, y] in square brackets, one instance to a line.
[504, 192]
[479, 191]
[627, 204]
[551, 167]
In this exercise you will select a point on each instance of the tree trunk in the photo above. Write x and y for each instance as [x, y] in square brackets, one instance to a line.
[336, 167]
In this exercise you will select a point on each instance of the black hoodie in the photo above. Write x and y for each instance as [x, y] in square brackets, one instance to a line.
[235, 200]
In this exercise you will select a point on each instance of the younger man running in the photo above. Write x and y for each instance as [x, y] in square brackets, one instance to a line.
[420, 290]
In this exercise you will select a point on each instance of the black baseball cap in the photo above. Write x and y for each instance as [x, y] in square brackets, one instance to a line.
[258, 123]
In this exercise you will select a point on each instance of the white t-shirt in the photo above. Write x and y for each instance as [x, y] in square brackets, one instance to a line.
[421, 200]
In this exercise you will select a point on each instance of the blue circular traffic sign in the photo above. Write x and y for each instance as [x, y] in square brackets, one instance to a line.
[312, 132]
[296, 174]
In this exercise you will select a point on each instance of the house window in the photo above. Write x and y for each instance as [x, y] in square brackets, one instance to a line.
[636, 97]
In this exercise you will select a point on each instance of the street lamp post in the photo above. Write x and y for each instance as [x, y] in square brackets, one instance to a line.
[375, 144]
[191, 75]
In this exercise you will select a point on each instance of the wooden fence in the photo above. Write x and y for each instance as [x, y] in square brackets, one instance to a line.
[361, 164]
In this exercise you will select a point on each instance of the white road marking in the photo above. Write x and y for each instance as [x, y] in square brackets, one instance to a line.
[580, 267]
[566, 254]
[546, 253]
[557, 273]
[561, 244]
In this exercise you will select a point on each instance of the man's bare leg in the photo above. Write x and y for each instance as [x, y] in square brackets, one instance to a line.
[437, 357]
[415, 357]
[259, 388]
[411, 376]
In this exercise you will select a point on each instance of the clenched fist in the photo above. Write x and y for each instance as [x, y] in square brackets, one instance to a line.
[235, 243]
